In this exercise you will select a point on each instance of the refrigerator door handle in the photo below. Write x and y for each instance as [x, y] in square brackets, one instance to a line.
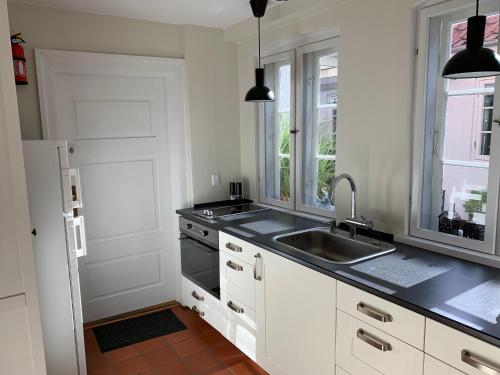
[76, 236]
[72, 189]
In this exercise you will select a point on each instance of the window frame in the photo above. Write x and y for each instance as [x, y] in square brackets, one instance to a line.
[320, 49]
[279, 60]
[450, 11]
[295, 56]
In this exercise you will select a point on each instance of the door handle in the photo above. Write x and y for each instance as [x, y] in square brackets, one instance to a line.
[235, 308]
[479, 363]
[374, 313]
[373, 341]
[236, 249]
[234, 266]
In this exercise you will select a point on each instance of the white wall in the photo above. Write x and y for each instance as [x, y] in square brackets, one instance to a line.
[375, 94]
[211, 73]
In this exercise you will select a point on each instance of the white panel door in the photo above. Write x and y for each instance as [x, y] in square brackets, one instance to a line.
[116, 121]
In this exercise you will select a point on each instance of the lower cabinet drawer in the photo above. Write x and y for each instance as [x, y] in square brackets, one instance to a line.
[237, 277]
[364, 350]
[207, 306]
[463, 352]
[434, 367]
[242, 326]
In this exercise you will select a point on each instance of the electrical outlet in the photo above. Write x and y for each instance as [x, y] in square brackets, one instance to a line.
[215, 179]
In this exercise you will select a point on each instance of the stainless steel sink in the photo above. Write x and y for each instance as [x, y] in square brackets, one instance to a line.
[337, 247]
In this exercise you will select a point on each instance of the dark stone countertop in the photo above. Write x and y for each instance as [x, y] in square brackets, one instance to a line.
[461, 294]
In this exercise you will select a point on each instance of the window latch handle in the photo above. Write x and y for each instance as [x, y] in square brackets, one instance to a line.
[294, 131]
[497, 121]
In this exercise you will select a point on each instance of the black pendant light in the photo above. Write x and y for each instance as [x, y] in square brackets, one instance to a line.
[475, 60]
[259, 93]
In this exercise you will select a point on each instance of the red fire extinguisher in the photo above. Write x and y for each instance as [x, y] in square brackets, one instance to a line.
[19, 59]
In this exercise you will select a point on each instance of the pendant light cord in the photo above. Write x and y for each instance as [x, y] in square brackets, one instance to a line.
[477, 8]
[259, 38]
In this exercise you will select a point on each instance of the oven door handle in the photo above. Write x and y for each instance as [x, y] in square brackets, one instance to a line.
[190, 241]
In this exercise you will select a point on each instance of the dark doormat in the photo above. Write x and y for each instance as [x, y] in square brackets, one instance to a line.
[131, 331]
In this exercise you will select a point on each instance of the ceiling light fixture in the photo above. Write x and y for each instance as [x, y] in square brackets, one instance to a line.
[259, 93]
[475, 60]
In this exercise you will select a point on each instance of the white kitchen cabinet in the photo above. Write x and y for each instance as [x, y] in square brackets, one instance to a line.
[295, 309]
[434, 367]
[241, 326]
[206, 305]
[365, 350]
[384, 315]
[463, 352]
[340, 371]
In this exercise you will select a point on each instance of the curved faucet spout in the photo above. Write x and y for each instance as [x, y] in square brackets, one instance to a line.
[349, 178]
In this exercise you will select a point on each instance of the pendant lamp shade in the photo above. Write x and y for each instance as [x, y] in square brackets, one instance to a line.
[259, 93]
[475, 60]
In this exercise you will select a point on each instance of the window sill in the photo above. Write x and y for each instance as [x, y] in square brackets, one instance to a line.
[324, 219]
[453, 251]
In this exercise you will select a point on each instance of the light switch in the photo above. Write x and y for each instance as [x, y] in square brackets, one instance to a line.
[215, 179]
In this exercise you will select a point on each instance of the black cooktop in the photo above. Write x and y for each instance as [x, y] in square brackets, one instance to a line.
[216, 212]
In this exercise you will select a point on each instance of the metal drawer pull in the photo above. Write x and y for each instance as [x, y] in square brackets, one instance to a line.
[374, 313]
[197, 296]
[234, 248]
[257, 258]
[234, 266]
[479, 363]
[376, 343]
[196, 310]
[235, 308]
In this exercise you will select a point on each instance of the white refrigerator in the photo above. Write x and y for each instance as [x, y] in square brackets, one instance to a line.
[54, 196]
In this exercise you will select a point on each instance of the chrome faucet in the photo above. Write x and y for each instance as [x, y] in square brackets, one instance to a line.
[352, 221]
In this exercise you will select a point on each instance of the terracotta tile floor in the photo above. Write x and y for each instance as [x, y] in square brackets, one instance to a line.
[198, 350]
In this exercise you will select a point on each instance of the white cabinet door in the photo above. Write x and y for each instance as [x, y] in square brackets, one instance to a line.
[295, 318]
[15, 346]
[434, 367]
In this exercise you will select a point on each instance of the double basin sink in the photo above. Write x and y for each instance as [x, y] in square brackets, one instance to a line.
[337, 247]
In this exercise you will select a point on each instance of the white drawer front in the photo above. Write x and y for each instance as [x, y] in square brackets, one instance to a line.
[238, 248]
[238, 278]
[214, 312]
[192, 294]
[386, 316]
[207, 306]
[460, 350]
[359, 350]
[242, 326]
[434, 367]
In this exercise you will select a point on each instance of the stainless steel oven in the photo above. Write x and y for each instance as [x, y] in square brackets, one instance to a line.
[200, 255]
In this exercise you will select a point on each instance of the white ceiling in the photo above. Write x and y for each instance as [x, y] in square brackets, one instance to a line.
[212, 13]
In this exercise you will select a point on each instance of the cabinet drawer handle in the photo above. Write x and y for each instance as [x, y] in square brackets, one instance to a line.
[374, 313]
[236, 249]
[196, 310]
[373, 341]
[234, 266]
[257, 257]
[197, 296]
[479, 363]
[235, 308]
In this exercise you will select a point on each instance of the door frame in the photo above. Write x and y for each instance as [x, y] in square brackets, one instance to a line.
[52, 62]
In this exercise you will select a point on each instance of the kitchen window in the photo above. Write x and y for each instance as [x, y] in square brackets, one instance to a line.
[455, 177]
[299, 160]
